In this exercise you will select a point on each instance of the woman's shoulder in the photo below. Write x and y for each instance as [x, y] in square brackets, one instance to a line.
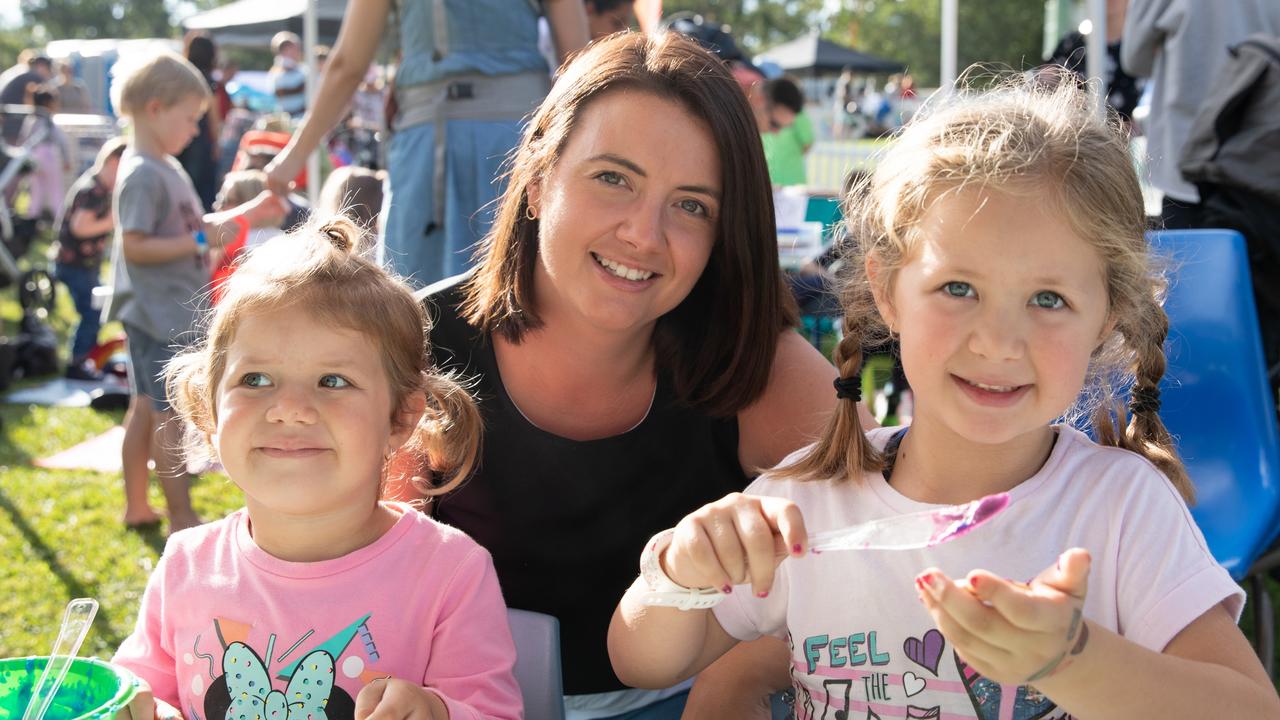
[443, 301]
[795, 406]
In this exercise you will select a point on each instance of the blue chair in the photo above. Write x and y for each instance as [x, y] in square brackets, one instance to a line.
[537, 670]
[1218, 405]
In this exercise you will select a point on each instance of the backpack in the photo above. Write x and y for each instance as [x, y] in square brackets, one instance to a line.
[1233, 157]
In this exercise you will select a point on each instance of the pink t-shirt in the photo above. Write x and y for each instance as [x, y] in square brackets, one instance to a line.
[864, 646]
[227, 631]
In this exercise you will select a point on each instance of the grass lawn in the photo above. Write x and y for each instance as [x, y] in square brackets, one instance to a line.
[60, 531]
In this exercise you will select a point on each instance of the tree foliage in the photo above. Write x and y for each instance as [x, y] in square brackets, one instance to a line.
[991, 32]
[1000, 32]
[85, 19]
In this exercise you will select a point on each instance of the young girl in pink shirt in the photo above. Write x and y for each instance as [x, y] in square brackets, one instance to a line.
[1001, 242]
[317, 598]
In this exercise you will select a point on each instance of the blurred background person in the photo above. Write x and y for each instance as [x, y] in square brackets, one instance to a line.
[15, 85]
[52, 155]
[462, 89]
[1123, 90]
[1181, 45]
[86, 226]
[288, 75]
[32, 69]
[200, 157]
[789, 133]
[73, 94]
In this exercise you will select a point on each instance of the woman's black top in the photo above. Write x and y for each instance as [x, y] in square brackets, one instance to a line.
[566, 520]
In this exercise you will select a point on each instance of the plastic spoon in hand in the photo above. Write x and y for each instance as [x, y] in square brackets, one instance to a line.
[75, 625]
[913, 531]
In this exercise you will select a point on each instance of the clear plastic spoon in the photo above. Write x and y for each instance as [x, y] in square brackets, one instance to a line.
[75, 625]
[913, 531]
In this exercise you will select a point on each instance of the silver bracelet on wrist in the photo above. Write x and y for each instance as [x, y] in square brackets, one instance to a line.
[665, 592]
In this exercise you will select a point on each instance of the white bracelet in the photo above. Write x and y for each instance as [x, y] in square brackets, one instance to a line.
[665, 592]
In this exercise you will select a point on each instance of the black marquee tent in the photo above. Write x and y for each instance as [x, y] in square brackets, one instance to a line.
[813, 55]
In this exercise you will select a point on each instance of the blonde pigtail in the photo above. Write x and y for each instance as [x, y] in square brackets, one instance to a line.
[447, 436]
[843, 450]
[1145, 433]
[1138, 427]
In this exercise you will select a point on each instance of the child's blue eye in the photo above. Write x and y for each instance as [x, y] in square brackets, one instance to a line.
[334, 381]
[255, 379]
[958, 289]
[1048, 300]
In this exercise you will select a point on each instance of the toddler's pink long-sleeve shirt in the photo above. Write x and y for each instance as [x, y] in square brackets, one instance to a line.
[229, 632]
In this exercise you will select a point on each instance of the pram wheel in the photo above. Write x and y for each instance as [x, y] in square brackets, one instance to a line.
[37, 292]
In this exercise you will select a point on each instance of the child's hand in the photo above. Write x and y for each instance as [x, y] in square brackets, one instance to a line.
[393, 699]
[266, 210]
[145, 706]
[737, 539]
[1011, 632]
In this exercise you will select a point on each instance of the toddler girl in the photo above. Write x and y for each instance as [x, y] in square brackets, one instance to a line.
[1001, 241]
[316, 598]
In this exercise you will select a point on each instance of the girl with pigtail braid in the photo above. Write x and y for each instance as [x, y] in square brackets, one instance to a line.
[1001, 241]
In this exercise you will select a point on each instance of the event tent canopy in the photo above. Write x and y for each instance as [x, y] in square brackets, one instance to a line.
[815, 55]
[253, 22]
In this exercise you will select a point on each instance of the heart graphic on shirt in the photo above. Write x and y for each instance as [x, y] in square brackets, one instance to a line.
[912, 683]
[925, 653]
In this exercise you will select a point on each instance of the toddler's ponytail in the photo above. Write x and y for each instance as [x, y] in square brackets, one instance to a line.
[446, 441]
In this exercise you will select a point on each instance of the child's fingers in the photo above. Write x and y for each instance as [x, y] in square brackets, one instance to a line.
[692, 560]
[728, 544]
[400, 700]
[759, 542]
[368, 698]
[968, 611]
[1028, 608]
[952, 610]
[1069, 575]
[788, 523]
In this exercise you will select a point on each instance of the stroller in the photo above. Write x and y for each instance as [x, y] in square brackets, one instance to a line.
[33, 351]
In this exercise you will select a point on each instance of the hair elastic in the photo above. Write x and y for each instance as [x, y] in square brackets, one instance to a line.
[1144, 400]
[849, 388]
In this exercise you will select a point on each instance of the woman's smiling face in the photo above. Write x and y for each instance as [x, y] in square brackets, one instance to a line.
[629, 213]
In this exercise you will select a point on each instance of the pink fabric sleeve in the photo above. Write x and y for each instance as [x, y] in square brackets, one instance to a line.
[144, 652]
[472, 653]
[1166, 575]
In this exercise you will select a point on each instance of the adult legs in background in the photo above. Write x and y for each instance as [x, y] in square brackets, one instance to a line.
[416, 243]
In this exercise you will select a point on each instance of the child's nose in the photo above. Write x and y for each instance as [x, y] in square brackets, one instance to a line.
[292, 406]
[997, 334]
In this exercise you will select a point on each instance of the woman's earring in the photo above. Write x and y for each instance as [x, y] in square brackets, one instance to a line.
[529, 214]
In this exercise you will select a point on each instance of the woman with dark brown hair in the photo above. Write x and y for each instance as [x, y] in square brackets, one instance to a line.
[630, 339]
